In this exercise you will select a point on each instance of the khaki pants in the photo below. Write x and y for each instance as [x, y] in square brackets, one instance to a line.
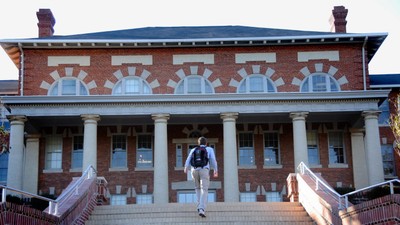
[201, 178]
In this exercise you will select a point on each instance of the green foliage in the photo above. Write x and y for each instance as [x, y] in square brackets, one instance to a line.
[394, 121]
[4, 139]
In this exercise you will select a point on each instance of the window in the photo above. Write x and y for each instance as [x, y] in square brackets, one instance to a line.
[118, 200]
[77, 152]
[144, 156]
[388, 160]
[256, 83]
[319, 83]
[68, 86]
[383, 118]
[273, 196]
[132, 86]
[53, 152]
[144, 199]
[246, 149]
[336, 148]
[3, 168]
[271, 149]
[179, 156]
[190, 196]
[118, 156]
[313, 152]
[194, 84]
[248, 197]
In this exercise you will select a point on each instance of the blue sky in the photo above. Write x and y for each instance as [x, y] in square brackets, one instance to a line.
[18, 19]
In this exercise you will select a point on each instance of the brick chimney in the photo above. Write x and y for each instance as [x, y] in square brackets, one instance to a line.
[46, 22]
[338, 19]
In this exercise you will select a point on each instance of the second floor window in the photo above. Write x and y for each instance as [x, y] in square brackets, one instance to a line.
[319, 82]
[68, 86]
[131, 86]
[256, 83]
[194, 84]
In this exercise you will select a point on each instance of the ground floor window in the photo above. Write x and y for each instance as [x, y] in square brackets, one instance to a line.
[3, 167]
[144, 199]
[118, 200]
[53, 152]
[273, 196]
[388, 160]
[190, 196]
[248, 197]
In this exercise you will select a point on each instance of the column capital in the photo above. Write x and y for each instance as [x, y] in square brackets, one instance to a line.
[160, 116]
[371, 114]
[298, 115]
[94, 117]
[19, 118]
[32, 136]
[356, 130]
[229, 115]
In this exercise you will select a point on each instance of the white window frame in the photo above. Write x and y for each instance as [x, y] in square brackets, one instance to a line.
[248, 197]
[246, 151]
[331, 148]
[122, 150]
[190, 196]
[204, 83]
[76, 152]
[142, 199]
[249, 88]
[309, 81]
[60, 87]
[388, 160]
[54, 144]
[274, 148]
[143, 86]
[145, 165]
[313, 146]
[118, 199]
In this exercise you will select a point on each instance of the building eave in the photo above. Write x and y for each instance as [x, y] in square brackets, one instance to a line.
[173, 98]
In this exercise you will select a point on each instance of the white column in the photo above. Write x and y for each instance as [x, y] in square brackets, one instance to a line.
[90, 140]
[299, 138]
[373, 148]
[231, 175]
[16, 157]
[31, 170]
[161, 190]
[359, 163]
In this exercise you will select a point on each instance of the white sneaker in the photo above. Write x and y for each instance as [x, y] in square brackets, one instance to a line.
[201, 212]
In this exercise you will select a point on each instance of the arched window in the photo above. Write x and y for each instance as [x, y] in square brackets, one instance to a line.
[68, 86]
[319, 83]
[256, 83]
[131, 86]
[194, 84]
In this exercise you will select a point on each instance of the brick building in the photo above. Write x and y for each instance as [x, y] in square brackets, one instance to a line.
[133, 102]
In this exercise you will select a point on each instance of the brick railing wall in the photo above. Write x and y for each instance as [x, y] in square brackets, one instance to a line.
[323, 207]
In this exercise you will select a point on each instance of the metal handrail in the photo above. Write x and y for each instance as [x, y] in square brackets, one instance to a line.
[54, 204]
[303, 167]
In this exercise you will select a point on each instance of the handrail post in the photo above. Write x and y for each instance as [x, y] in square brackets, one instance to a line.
[56, 209]
[51, 206]
[3, 195]
[316, 184]
[391, 188]
[346, 201]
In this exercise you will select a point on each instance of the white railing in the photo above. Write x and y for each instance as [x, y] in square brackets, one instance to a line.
[54, 204]
[320, 184]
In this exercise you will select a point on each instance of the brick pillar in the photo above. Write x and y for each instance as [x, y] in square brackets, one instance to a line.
[293, 190]
[46, 22]
[338, 19]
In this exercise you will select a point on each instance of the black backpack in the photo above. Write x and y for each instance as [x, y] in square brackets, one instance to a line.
[199, 157]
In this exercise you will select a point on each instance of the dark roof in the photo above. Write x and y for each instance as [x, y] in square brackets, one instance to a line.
[384, 80]
[191, 32]
[8, 87]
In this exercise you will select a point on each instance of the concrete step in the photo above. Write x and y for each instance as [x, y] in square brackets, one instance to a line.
[278, 213]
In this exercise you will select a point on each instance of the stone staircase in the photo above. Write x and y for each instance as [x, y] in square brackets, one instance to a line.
[256, 213]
